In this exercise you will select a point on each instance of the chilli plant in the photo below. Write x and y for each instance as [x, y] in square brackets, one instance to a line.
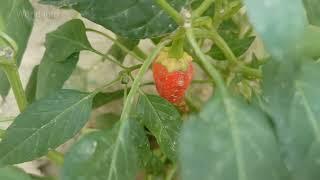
[251, 112]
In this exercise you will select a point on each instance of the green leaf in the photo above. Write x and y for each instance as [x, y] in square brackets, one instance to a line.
[15, 14]
[313, 11]
[104, 98]
[61, 56]
[238, 46]
[229, 140]
[279, 23]
[118, 53]
[32, 85]
[13, 173]
[52, 75]
[294, 106]
[163, 120]
[128, 18]
[44, 125]
[68, 39]
[109, 155]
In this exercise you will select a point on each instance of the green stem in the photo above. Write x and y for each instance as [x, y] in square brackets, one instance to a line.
[193, 82]
[121, 46]
[234, 8]
[214, 35]
[171, 173]
[134, 67]
[202, 8]
[177, 47]
[100, 89]
[56, 157]
[214, 74]
[125, 93]
[12, 73]
[171, 11]
[139, 53]
[130, 99]
[9, 41]
[136, 83]
[106, 56]
[218, 15]
[2, 132]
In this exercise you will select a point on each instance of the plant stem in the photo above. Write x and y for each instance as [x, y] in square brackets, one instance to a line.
[193, 82]
[136, 83]
[130, 98]
[214, 74]
[9, 41]
[139, 53]
[56, 157]
[176, 16]
[233, 9]
[125, 94]
[214, 35]
[12, 73]
[2, 132]
[134, 67]
[121, 46]
[217, 15]
[106, 56]
[171, 173]
[202, 8]
[100, 89]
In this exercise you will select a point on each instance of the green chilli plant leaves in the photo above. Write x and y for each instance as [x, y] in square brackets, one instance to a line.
[198, 89]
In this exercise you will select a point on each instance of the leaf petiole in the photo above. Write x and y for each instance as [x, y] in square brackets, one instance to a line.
[202, 8]
[9, 41]
[121, 46]
[11, 70]
[108, 57]
[220, 42]
[176, 16]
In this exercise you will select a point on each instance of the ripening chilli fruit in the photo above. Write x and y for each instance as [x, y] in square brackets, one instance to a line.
[172, 76]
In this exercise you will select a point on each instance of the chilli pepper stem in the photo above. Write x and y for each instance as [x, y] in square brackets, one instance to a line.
[177, 48]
